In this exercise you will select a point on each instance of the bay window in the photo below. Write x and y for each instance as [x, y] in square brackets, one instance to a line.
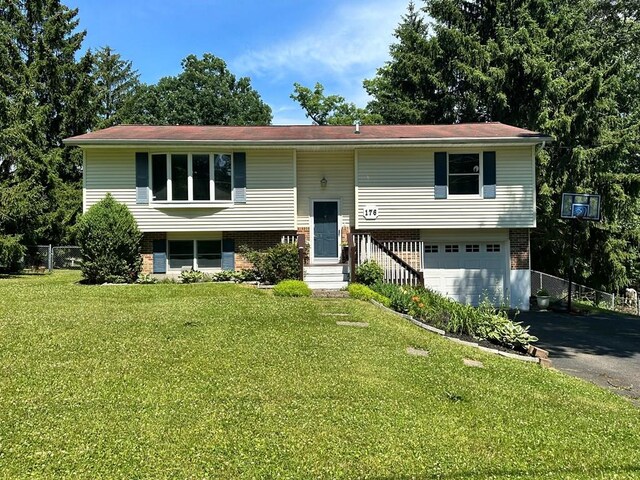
[191, 177]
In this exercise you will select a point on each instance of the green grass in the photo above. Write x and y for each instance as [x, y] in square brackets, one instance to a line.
[225, 381]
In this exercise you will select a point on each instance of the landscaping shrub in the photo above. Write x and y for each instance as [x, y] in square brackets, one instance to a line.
[275, 264]
[109, 240]
[146, 279]
[292, 288]
[194, 276]
[11, 253]
[229, 275]
[362, 292]
[399, 297]
[369, 273]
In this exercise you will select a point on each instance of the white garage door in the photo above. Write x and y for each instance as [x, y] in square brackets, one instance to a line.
[466, 271]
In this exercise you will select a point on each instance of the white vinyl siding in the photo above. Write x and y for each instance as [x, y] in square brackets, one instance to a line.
[337, 168]
[401, 184]
[270, 193]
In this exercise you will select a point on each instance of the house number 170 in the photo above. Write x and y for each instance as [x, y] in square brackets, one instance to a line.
[370, 212]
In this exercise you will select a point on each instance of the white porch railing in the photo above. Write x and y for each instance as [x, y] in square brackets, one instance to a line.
[289, 238]
[402, 261]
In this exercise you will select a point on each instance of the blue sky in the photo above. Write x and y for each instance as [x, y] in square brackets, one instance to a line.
[274, 42]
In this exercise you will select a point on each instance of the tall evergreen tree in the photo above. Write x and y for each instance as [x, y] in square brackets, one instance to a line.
[569, 68]
[46, 96]
[116, 82]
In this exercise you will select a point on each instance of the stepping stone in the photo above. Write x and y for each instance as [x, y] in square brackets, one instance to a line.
[335, 314]
[353, 324]
[417, 352]
[473, 363]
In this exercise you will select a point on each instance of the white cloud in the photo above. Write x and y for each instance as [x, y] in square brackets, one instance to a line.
[354, 40]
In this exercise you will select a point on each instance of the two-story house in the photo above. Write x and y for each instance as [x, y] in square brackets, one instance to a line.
[463, 194]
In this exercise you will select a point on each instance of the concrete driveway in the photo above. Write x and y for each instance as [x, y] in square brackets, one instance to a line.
[603, 348]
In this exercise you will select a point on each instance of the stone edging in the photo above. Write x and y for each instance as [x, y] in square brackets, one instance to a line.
[537, 355]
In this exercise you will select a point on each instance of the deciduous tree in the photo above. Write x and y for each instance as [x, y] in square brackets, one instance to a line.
[205, 93]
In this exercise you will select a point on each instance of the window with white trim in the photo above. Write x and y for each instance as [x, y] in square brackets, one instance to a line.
[451, 249]
[431, 249]
[191, 177]
[196, 254]
[493, 247]
[473, 248]
[464, 174]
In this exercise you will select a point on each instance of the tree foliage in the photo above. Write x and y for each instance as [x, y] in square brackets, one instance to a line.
[205, 93]
[331, 109]
[45, 96]
[109, 240]
[116, 82]
[569, 68]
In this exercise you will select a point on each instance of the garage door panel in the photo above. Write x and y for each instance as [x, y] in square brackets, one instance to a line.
[467, 276]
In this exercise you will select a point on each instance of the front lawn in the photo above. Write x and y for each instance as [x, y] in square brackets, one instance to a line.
[210, 380]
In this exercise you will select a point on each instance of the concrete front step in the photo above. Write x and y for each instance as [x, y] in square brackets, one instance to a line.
[326, 277]
[326, 285]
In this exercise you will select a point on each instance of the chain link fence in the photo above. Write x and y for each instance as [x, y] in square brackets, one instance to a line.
[559, 288]
[48, 257]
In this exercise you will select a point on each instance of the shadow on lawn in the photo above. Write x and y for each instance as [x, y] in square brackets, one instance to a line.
[533, 473]
[610, 334]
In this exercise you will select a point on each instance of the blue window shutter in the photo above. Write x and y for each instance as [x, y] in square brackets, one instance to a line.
[142, 178]
[440, 162]
[159, 256]
[228, 255]
[240, 177]
[489, 174]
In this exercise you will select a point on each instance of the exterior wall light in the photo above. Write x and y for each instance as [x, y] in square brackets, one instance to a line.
[323, 182]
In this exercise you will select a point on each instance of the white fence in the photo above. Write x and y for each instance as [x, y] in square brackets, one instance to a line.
[409, 252]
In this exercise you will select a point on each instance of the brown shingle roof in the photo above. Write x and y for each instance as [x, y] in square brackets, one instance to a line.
[291, 134]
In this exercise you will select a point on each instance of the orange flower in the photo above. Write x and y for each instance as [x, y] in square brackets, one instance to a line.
[421, 305]
[415, 298]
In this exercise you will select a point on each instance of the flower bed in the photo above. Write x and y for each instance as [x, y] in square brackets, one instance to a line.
[484, 322]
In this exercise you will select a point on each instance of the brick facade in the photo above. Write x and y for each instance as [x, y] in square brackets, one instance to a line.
[147, 249]
[519, 243]
[393, 235]
[255, 241]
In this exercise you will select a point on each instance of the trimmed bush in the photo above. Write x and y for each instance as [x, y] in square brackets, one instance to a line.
[11, 253]
[292, 288]
[194, 276]
[274, 264]
[369, 273]
[362, 292]
[109, 240]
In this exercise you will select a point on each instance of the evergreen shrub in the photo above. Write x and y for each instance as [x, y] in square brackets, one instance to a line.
[109, 240]
[274, 264]
[11, 253]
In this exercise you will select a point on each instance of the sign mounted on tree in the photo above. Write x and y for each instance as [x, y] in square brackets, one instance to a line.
[583, 206]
